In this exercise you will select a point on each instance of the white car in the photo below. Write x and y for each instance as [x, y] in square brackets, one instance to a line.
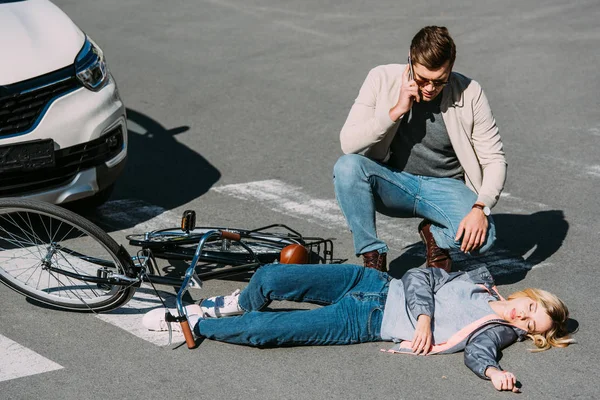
[63, 129]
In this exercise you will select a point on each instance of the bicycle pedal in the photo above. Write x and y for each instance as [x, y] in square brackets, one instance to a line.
[188, 220]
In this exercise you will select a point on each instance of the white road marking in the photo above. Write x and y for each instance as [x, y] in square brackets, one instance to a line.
[259, 12]
[527, 203]
[577, 168]
[291, 200]
[129, 211]
[129, 317]
[594, 170]
[19, 361]
[542, 265]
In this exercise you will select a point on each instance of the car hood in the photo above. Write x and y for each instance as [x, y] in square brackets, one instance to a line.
[36, 37]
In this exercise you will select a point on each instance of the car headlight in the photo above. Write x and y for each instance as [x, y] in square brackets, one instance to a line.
[90, 66]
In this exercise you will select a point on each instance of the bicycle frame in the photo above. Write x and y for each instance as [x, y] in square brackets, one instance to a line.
[138, 270]
[191, 278]
[190, 273]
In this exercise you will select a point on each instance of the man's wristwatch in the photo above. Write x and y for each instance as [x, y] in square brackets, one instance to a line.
[486, 210]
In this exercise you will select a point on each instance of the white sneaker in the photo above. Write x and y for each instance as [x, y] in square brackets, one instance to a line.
[154, 320]
[222, 306]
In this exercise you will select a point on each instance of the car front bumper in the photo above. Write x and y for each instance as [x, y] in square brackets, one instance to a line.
[78, 122]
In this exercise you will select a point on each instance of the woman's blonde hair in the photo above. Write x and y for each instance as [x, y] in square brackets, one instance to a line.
[557, 335]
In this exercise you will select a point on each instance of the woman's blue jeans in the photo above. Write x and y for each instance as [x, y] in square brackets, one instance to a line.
[353, 298]
[363, 186]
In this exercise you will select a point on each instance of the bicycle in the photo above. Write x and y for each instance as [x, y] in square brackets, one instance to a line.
[59, 258]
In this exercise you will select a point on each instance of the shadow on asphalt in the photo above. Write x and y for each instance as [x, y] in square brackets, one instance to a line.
[161, 172]
[523, 241]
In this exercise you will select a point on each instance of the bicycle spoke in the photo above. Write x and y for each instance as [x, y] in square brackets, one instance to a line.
[35, 243]
[53, 255]
[18, 240]
[33, 269]
[75, 270]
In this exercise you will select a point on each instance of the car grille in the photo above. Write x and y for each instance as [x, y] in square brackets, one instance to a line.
[20, 111]
[68, 162]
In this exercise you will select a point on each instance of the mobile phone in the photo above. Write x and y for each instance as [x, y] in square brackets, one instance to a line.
[411, 75]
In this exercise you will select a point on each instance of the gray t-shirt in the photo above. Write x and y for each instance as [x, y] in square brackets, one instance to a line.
[422, 145]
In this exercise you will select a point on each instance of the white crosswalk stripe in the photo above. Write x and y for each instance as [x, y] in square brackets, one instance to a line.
[291, 200]
[118, 212]
[129, 317]
[19, 361]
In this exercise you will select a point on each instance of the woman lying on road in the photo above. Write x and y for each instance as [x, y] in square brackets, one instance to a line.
[440, 312]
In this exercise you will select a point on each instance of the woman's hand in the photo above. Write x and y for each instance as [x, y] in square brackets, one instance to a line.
[503, 380]
[421, 343]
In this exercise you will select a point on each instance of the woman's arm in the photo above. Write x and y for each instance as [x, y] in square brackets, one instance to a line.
[481, 354]
[420, 284]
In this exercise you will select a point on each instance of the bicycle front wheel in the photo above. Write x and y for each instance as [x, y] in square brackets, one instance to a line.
[56, 257]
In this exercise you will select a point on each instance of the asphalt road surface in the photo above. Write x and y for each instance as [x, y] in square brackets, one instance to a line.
[235, 109]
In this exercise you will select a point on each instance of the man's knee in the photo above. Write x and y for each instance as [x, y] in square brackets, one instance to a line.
[348, 167]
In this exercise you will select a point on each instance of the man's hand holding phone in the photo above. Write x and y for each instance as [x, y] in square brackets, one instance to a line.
[409, 92]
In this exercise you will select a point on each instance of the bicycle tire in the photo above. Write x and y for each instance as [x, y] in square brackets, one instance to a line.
[35, 235]
[176, 244]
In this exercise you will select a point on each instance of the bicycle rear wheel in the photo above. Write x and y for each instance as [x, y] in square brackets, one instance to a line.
[56, 257]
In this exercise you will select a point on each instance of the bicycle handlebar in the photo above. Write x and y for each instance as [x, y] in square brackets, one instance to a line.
[185, 326]
[187, 334]
[231, 235]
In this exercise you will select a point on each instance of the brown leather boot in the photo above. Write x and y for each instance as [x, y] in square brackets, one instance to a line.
[436, 257]
[374, 260]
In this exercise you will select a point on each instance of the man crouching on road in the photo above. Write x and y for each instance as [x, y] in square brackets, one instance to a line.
[421, 141]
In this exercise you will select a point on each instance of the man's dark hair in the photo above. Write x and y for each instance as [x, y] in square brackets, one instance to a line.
[432, 46]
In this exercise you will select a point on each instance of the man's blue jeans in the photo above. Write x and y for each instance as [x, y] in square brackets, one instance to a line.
[353, 299]
[363, 186]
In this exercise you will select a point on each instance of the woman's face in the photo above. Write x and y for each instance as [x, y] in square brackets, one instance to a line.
[527, 314]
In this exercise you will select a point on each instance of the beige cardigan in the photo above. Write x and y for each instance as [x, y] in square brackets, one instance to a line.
[471, 126]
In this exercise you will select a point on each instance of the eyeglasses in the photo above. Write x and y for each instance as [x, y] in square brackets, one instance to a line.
[424, 82]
